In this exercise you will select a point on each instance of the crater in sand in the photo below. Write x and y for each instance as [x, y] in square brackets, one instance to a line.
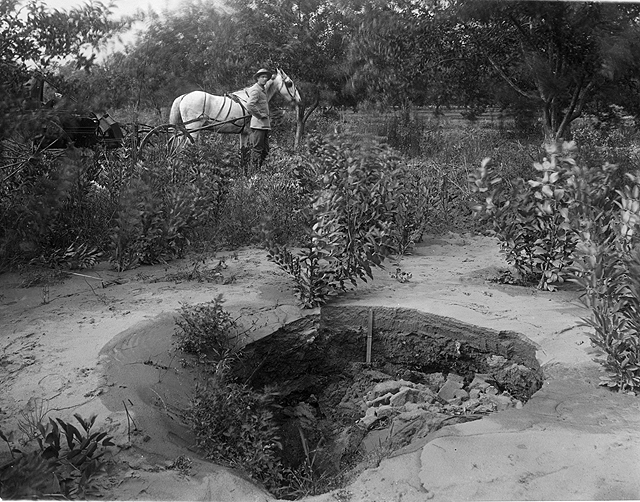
[424, 371]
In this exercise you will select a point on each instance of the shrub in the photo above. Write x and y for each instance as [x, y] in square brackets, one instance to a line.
[351, 208]
[48, 204]
[267, 205]
[577, 223]
[531, 219]
[208, 330]
[419, 192]
[607, 267]
[235, 426]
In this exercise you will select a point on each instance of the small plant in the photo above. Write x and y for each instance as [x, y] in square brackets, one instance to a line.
[66, 464]
[32, 417]
[416, 199]
[36, 276]
[45, 294]
[182, 464]
[208, 330]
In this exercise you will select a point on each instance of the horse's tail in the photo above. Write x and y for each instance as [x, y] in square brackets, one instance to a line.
[174, 114]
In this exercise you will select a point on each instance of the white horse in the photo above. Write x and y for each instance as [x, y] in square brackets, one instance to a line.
[198, 110]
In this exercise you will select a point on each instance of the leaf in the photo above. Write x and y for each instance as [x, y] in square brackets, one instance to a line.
[71, 432]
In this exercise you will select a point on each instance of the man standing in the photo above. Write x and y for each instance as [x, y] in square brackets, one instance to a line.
[258, 107]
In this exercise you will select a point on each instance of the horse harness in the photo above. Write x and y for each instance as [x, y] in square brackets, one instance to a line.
[286, 82]
[209, 122]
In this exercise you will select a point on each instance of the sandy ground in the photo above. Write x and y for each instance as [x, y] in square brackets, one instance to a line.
[103, 345]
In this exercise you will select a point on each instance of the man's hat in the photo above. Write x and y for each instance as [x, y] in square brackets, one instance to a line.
[263, 71]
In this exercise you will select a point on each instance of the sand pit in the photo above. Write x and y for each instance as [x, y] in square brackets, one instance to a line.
[103, 345]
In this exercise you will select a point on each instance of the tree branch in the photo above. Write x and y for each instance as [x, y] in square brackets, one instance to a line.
[502, 74]
[576, 105]
[525, 36]
[509, 81]
[310, 109]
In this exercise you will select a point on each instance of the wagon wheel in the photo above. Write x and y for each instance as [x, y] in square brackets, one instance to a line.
[158, 137]
[135, 132]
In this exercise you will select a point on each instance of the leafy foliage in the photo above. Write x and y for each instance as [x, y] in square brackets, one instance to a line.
[398, 46]
[578, 223]
[612, 292]
[76, 256]
[606, 268]
[234, 425]
[35, 36]
[556, 55]
[161, 202]
[208, 330]
[351, 214]
[531, 219]
[311, 272]
[50, 211]
[66, 465]
[241, 427]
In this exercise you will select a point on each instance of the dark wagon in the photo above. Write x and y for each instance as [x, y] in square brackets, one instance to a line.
[59, 126]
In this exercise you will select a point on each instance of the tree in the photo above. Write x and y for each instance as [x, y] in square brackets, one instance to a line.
[410, 52]
[180, 51]
[558, 55]
[33, 36]
[220, 52]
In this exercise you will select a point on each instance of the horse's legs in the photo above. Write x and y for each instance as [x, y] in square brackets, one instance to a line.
[244, 152]
[181, 138]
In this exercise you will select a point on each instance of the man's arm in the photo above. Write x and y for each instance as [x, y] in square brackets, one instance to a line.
[252, 104]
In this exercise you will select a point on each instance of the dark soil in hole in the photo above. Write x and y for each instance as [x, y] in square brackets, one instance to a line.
[339, 415]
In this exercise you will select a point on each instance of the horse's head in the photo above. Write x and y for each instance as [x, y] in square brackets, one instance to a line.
[285, 86]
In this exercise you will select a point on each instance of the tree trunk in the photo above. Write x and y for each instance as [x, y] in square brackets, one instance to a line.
[299, 126]
[302, 115]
